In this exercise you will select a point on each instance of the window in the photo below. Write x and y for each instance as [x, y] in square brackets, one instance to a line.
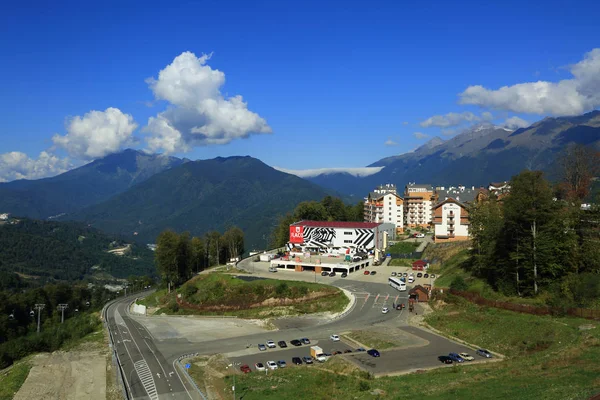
[347, 233]
[347, 241]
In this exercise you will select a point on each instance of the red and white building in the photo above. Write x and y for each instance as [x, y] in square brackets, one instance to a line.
[450, 221]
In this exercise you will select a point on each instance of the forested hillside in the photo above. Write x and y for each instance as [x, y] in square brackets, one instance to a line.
[67, 251]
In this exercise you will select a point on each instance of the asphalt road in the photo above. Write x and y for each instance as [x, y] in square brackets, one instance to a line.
[149, 362]
[147, 373]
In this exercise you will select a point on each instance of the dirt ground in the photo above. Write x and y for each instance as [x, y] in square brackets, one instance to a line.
[80, 373]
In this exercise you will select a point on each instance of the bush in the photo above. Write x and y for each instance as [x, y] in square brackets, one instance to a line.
[363, 386]
[189, 290]
[459, 284]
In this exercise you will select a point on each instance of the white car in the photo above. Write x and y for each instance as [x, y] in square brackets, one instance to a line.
[466, 356]
[411, 279]
[335, 338]
[271, 344]
[420, 235]
[272, 365]
[385, 310]
[259, 366]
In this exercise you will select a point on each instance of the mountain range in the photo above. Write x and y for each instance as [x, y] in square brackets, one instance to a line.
[137, 195]
[477, 156]
[83, 186]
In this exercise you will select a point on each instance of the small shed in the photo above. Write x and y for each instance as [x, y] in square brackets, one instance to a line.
[419, 265]
[419, 293]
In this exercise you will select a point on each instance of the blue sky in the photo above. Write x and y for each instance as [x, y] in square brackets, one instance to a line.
[323, 84]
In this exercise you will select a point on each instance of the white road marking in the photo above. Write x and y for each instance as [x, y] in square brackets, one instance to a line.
[141, 368]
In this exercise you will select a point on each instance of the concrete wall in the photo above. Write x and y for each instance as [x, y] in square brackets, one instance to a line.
[138, 309]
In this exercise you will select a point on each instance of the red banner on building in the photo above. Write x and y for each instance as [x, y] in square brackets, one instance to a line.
[296, 234]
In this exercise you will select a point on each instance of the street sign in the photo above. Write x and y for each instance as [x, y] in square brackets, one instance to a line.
[188, 366]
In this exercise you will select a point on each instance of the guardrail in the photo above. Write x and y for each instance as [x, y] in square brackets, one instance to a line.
[187, 375]
[115, 357]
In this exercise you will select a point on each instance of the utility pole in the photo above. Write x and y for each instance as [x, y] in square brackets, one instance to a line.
[62, 308]
[39, 307]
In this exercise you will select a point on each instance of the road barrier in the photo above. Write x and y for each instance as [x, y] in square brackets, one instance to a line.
[187, 376]
[115, 357]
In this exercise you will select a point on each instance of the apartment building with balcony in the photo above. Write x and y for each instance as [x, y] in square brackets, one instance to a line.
[451, 214]
[418, 205]
[384, 205]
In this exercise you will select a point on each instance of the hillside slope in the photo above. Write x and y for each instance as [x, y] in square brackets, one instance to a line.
[67, 251]
[83, 186]
[482, 154]
[204, 195]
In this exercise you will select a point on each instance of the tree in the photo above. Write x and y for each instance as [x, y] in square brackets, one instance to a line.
[310, 210]
[281, 234]
[214, 246]
[335, 209]
[184, 258]
[198, 249]
[533, 217]
[166, 256]
[579, 166]
[233, 239]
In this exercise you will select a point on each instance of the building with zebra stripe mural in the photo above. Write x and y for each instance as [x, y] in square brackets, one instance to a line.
[357, 236]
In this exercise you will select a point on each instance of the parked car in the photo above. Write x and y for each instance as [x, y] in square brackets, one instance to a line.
[307, 360]
[466, 356]
[373, 272]
[432, 275]
[405, 274]
[262, 347]
[282, 344]
[419, 275]
[259, 366]
[347, 351]
[385, 310]
[296, 342]
[332, 273]
[445, 359]
[324, 273]
[245, 368]
[394, 274]
[420, 235]
[335, 338]
[456, 358]
[403, 279]
[281, 364]
[411, 279]
[373, 353]
[305, 340]
[297, 360]
[336, 352]
[344, 274]
[484, 353]
[425, 275]
[272, 269]
[272, 365]
[361, 349]
[271, 344]
[366, 272]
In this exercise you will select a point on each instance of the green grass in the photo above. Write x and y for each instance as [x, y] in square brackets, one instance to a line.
[403, 248]
[548, 358]
[223, 294]
[451, 269]
[12, 379]
[373, 340]
[402, 262]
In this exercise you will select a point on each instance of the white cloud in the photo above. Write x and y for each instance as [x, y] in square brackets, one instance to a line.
[309, 173]
[572, 96]
[97, 134]
[17, 165]
[487, 116]
[450, 119]
[420, 135]
[390, 142]
[515, 123]
[198, 114]
[449, 132]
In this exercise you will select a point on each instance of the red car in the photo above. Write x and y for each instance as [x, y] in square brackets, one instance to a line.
[245, 368]
[366, 273]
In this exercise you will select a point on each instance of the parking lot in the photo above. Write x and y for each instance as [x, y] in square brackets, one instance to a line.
[291, 351]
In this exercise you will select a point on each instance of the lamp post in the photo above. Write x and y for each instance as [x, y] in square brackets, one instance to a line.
[233, 365]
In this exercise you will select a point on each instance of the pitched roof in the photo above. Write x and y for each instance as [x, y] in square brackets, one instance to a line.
[418, 287]
[420, 262]
[337, 224]
[449, 200]
[462, 196]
